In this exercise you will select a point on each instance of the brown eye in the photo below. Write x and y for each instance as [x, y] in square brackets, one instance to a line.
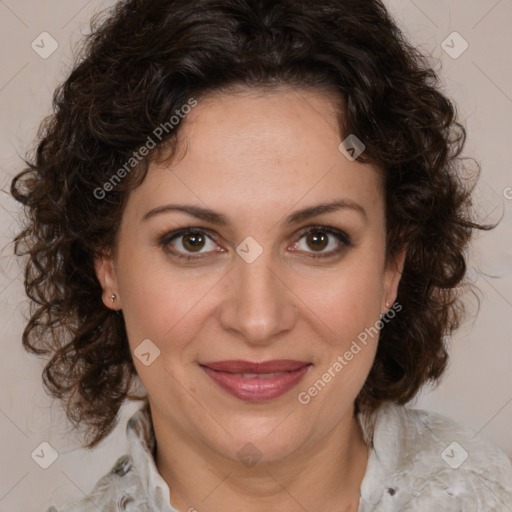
[184, 243]
[193, 241]
[317, 240]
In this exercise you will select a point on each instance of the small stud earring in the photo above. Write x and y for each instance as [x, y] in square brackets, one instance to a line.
[113, 297]
[382, 315]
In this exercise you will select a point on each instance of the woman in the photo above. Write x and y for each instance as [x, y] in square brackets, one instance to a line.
[257, 209]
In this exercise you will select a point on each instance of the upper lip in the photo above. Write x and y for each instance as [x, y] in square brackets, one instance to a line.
[240, 366]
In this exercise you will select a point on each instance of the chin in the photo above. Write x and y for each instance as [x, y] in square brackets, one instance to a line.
[269, 439]
[262, 451]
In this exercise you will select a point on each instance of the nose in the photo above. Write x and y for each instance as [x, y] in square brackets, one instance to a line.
[260, 304]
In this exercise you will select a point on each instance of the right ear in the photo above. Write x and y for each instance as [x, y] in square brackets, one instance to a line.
[106, 274]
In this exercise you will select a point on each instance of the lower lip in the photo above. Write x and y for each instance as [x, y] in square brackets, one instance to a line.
[256, 389]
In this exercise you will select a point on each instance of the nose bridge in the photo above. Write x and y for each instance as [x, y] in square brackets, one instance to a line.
[258, 278]
[259, 306]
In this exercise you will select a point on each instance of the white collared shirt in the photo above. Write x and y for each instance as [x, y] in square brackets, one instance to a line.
[418, 461]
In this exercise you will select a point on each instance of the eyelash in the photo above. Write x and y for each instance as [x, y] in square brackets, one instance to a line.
[167, 238]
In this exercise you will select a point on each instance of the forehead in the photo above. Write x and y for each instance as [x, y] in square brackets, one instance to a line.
[261, 149]
[283, 123]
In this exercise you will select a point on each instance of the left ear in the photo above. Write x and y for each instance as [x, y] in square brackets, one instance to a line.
[392, 276]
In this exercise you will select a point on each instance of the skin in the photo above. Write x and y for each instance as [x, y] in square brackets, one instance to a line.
[256, 157]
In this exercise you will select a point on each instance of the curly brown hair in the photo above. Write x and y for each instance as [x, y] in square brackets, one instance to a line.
[138, 66]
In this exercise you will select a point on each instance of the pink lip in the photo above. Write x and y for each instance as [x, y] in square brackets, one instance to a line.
[227, 374]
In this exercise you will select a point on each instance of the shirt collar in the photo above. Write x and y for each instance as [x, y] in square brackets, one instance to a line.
[384, 431]
[142, 444]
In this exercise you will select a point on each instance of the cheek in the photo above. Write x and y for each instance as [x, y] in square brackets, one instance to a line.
[345, 301]
[159, 304]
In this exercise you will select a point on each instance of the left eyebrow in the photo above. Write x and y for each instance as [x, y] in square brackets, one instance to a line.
[320, 209]
[214, 217]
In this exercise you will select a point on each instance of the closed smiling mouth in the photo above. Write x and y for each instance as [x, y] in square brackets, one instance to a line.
[256, 381]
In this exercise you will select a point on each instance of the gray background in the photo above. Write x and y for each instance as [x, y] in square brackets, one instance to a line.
[477, 389]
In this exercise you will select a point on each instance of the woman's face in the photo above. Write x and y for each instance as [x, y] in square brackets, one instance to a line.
[257, 287]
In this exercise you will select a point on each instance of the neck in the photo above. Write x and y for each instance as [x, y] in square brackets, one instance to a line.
[325, 474]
